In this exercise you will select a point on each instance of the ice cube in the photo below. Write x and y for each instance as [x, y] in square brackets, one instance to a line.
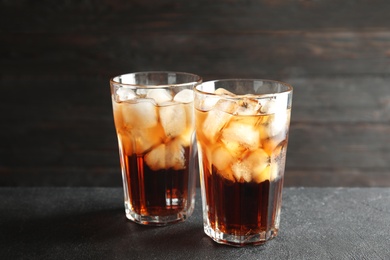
[160, 96]
[173, 119]
[155, 159]
[222, 160]
[206, 103]
[241, 134]
[147, 138]
[223, 92]
[213, 124]
[132, 120]
[142, 92]
[248, 106]
[226, 105]
[124, 94]
[262, 176]
[272, 145]
[141, 114]
[260, 160]
[187, 138]
[251, 166]
[236, 149]
[242, 171]
[184, 96]
[269, 173]
[217, 118]
[274, 105]
[188, 135]
[276, 125]
[175, 155]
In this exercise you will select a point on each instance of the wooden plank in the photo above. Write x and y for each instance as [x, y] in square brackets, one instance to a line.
[328, 100]
[335, 177]
[59, 176]
[55, 125]
[57, 58]
[265, 55]
[316, 100]
[365, 146]
[196, 16]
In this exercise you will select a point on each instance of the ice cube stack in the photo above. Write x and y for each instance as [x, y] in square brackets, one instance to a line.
[243, 138]
[156, 123]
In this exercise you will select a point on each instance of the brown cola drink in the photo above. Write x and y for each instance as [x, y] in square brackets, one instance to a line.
[242, 143]
[162, 192]
[154, 121]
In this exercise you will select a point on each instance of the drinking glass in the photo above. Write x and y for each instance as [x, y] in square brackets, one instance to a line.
[154, 121]
[242, 132]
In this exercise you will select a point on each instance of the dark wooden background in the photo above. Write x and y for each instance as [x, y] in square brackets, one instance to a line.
[57, 57]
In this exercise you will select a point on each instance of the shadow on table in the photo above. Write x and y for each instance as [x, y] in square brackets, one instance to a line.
[180, 240]
[101, 233]
[36, 232]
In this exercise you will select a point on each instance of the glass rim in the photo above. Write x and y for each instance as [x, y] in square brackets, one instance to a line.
[198, 80]
[238, 96]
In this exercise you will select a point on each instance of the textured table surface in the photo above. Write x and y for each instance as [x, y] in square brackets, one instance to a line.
[89, 223]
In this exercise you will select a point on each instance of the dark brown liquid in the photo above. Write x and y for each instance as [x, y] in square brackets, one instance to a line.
[241, 208]
[159, 193]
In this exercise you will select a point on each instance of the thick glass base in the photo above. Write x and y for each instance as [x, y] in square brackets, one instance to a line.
[157, 220]
[239, 241]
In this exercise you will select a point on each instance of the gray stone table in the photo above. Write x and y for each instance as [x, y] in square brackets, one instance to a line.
[89, 223]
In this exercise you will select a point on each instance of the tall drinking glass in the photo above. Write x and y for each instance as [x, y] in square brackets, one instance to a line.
[242, 131]
[154, 121]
